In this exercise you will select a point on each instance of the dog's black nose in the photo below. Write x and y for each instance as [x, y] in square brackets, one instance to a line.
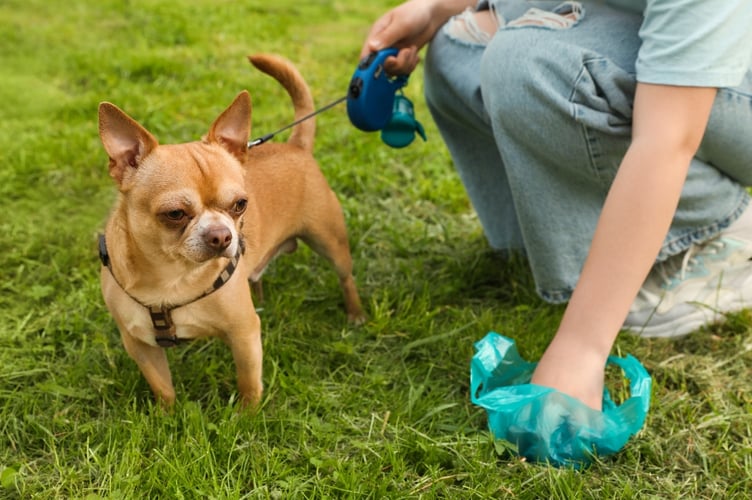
[218, 238]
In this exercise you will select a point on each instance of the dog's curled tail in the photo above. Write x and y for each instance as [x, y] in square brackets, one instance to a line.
[288, 75]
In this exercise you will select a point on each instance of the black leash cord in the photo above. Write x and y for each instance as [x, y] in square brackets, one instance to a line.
[264, 138]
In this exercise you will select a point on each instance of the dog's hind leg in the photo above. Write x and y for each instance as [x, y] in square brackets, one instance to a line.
[327, 236]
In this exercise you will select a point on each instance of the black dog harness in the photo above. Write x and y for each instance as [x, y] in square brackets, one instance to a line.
[161, 315]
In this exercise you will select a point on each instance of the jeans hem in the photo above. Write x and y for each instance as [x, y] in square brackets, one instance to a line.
[556, 296]
[703, 234]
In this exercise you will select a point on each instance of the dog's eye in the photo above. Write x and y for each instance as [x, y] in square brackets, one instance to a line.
[175, 215]
[240, 206]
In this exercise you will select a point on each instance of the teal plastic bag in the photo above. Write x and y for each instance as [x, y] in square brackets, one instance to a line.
[547, 425]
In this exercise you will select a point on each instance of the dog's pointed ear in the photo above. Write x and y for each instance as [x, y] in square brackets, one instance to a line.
[127, 143]
[233, 127]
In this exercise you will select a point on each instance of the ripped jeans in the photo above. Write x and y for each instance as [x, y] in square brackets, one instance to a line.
[537, 118]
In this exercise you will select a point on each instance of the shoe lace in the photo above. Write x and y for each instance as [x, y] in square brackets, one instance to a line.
[681, 265]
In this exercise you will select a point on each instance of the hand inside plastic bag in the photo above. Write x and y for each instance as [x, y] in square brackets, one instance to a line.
[547, 425]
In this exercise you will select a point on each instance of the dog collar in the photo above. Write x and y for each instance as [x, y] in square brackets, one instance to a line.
[161, 315]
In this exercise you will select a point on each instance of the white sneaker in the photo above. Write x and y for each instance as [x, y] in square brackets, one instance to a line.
[693, 289]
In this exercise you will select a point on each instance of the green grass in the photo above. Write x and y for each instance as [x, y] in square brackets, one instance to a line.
[378, 411]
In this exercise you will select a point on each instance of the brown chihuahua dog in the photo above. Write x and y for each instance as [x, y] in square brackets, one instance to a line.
[194, 223]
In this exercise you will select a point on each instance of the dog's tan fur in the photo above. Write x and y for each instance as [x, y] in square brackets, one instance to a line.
[179, 216]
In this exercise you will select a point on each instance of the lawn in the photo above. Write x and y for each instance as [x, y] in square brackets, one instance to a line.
[377, 411]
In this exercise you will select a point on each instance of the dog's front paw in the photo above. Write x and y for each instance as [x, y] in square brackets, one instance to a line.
[356, 318]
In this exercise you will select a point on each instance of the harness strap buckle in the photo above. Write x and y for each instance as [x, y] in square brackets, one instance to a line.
[164, 327]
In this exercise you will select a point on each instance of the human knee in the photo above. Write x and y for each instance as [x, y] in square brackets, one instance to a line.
[512, 72]
[451, 87]
[529, 57]
[473, 26]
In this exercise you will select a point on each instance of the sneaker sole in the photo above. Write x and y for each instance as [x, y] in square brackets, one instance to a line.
[702, 315]
[678, 327]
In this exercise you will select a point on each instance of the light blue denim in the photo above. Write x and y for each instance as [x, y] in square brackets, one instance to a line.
[537, 123]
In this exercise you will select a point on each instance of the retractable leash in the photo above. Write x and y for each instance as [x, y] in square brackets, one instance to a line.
[373, 104]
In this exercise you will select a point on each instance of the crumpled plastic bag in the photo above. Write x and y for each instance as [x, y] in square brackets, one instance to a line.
[547, 425]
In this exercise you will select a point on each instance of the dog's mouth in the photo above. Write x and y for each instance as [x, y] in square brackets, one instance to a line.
[210, 253]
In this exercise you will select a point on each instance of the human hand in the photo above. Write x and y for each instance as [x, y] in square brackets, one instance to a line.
[405, 27]
[574, 369]
[409, 27]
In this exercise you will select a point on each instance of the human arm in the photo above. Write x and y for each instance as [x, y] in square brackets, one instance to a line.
[409, 27]
[668, 125]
